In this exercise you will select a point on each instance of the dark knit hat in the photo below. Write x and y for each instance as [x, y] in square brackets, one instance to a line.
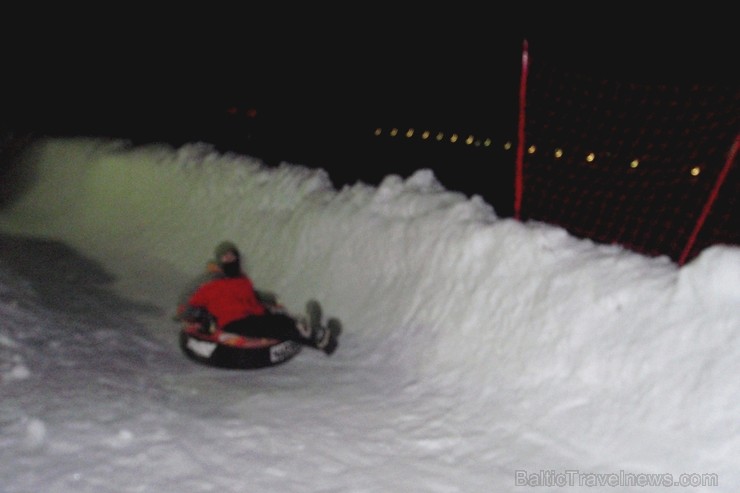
[226, 246]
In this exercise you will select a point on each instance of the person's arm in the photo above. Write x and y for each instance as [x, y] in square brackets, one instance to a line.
[196, 307]
[267, 298]
[183, 308]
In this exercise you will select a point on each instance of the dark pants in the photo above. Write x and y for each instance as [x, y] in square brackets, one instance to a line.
[271, 326]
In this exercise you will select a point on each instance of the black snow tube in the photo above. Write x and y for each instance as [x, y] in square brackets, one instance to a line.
[225, 350]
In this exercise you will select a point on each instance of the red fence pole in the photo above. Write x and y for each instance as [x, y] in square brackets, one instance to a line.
[710, 200]
[518, 179]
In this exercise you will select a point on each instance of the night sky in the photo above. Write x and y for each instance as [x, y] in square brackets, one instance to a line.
[173, 76]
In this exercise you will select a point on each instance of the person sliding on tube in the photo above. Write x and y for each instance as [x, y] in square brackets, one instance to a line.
[225, 300]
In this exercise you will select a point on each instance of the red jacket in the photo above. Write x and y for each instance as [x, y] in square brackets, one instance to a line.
[228, 299]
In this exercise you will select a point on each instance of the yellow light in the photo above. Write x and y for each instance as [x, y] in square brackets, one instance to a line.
[487, 143]
[532, 149]
[453, 138]
[507, 146]
[378, 131]
[425, 134]
[558, 153]
[394, 132]
[470, 140]
[635, 163]
[410, 133]
[590, 157]
[440, 136]
[695, 171]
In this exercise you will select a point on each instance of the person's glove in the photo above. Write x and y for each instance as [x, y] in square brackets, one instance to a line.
[197, 315]
[267, 298]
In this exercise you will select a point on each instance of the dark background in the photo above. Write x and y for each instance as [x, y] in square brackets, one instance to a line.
[321, 78]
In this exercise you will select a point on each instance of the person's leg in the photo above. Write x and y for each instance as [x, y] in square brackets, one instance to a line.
[326, 336]
[285, 328]
[272, 326]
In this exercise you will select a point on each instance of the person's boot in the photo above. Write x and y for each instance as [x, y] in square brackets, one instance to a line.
[314, 313]
[327, 338]
[335, 326]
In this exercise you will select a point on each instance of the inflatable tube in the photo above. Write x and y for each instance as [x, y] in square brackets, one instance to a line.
[225, 350]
